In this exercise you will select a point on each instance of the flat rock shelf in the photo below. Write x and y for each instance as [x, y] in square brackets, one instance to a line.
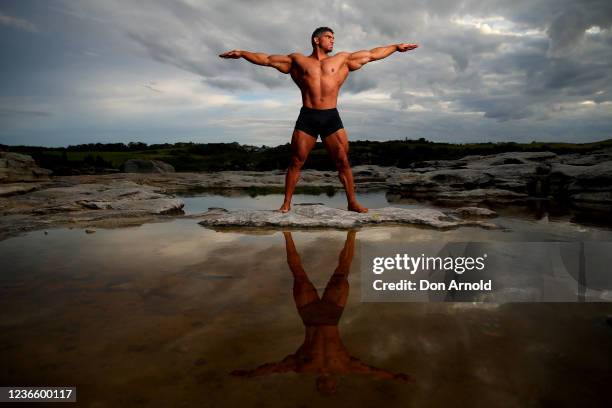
[321, 216]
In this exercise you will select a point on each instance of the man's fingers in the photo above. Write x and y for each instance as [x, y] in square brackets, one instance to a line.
[406, 47]
[229, 54]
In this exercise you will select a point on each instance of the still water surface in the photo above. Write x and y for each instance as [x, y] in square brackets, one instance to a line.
[173, 314]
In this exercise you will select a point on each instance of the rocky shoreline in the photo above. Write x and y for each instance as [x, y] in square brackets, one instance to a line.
[32, 199]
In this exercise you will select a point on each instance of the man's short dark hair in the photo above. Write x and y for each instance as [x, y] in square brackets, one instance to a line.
[318, 32]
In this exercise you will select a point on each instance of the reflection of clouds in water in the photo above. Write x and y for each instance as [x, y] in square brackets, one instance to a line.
[225, 276]
[374, 235]
[387, 346]
[606, 295]
[225, 299]
[197, 244]
[414, 234]
[304, 238]
[182, 239]
[403, 233]
[428, 344]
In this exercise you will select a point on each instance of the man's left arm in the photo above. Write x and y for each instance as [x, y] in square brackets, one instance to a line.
[358, 59]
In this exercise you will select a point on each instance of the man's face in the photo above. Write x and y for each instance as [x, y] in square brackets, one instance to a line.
[326, 41]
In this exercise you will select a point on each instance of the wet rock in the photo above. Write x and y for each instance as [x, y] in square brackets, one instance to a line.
[596, 176]
[321, 216]
[475, 212]
[512, 158]
[153, 206]
[16, 167]
[90, 231]
[593, 158]
[17, 188]
[512, 178]
[113, 200]
[119, 195]
[146, 166]
[481, 195]
[108, 203]
[513, 173]
[580, 184]
[596, 200]
[437, 164]
[54, 209]
[460, 177]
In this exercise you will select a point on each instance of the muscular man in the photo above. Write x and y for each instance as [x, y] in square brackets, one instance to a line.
[319, 77]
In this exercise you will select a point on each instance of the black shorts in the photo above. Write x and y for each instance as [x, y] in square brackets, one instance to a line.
[316, 122]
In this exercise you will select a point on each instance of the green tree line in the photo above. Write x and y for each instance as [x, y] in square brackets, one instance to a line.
[189, 156]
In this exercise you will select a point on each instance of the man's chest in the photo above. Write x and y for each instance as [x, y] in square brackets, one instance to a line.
[329, 67]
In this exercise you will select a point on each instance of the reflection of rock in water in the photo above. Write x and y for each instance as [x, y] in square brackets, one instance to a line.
[529, 271]
[518, 271]
[588, 263]
[322, 351]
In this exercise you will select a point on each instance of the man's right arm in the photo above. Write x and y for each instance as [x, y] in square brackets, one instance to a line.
[280, 62]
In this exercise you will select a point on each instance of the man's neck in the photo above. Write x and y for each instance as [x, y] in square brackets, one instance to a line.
[319, 54]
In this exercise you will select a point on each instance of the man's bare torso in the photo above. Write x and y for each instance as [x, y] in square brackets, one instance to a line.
[319, 81]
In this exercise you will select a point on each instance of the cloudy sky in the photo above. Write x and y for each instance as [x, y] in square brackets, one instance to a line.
[126, 70]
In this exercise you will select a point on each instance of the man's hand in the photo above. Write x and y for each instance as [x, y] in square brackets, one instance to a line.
[406, 47]
[234, 54]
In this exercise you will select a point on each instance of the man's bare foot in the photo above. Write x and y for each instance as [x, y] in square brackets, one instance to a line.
[357, 208]
[285, 208]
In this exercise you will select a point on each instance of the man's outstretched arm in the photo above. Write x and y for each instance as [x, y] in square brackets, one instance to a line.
[280, 62]
[358, 59]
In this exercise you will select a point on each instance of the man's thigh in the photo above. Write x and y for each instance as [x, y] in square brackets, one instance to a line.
[337, 290]
[301, 144]
[336, 143]
[304, 292]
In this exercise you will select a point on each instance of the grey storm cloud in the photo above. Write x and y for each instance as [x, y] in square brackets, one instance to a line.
[356, 83]
[22, 112]
[15, 22]
[189, 35]
[480, 63]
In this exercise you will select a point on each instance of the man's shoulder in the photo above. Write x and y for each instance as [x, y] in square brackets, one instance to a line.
[342, 56]
[296, 55]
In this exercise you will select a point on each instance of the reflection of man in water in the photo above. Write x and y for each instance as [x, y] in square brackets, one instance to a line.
[322, 351]
[319, 77]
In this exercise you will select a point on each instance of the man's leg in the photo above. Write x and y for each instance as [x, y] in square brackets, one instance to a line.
[301, 145]
[304, 291]
[336, 145]
[337, 288]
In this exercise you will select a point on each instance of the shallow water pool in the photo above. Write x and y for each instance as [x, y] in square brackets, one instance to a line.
[174, 314]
